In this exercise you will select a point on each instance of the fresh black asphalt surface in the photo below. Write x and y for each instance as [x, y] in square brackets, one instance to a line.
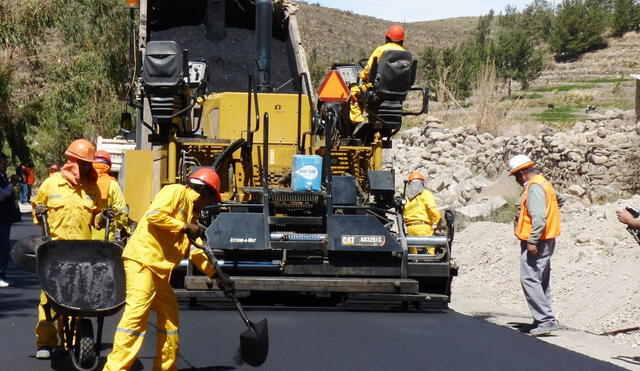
[302, 338]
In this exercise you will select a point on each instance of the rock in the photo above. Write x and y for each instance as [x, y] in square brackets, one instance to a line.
[437, 184]
[461, 173]
[432, 119]
[484, 208]
[599, 160]
[576, 190]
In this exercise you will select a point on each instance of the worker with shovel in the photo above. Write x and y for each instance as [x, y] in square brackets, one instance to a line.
[157, 246]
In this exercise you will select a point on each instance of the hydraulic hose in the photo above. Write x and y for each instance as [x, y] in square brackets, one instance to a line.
[228, 152]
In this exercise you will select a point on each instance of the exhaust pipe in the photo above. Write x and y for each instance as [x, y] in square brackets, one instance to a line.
[264, 17]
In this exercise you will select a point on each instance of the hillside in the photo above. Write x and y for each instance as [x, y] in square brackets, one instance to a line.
[334, 35]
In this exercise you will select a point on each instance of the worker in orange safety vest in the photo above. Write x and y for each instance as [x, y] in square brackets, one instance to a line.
[537, 225]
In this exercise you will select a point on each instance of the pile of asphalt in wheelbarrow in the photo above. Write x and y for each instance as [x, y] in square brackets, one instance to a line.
[231, 59]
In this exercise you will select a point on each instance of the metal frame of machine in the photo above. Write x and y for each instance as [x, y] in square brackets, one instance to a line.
[346, 239]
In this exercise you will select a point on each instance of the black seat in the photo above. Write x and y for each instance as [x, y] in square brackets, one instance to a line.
[392, 77]
[163, 78]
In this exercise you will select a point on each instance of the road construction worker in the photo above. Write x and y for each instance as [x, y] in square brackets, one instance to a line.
[421, 214]
[70, 199]
[394, 41]
[159, 242]
[111, 196]
[537, 225]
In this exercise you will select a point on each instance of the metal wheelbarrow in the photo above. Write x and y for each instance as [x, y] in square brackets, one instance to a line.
[81, 278]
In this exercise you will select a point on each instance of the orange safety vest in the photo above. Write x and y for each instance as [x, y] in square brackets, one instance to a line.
[552, 226]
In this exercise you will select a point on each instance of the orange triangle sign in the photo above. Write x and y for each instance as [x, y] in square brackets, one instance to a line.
[333, 88]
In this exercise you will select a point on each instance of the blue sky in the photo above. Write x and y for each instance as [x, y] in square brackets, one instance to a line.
[421, 10]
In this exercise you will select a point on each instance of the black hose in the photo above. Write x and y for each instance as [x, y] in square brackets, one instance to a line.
[228, 152]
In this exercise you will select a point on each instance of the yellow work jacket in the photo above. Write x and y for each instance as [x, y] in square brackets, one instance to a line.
[71, 209]
[377, 53]
[158, 241]
[552, 225]
[421, 210]
[114, 200]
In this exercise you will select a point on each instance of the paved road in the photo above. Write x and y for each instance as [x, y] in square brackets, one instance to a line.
[305, 338]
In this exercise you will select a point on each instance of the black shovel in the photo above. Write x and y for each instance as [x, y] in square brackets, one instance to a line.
[254, 342]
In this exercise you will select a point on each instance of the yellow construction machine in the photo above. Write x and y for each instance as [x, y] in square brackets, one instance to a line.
[306, 206]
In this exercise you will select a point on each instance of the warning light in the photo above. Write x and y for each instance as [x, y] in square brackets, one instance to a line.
[333, 88]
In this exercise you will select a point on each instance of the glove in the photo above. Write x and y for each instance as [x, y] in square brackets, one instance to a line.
[193, 231]
[41, 210]
[227, 286]
[102, 217]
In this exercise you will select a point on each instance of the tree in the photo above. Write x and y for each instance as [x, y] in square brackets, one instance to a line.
[537, 19]
[625, 17]
[578, 28]
[514, 52]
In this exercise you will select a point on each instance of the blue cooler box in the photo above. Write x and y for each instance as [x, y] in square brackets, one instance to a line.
[306, 173]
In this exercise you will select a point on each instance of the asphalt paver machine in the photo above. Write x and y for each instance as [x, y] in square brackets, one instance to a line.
[307, 207]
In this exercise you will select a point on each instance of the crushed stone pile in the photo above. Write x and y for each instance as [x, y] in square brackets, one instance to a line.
[595, 276]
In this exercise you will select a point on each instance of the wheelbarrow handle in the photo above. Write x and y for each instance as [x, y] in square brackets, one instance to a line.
[45, 225]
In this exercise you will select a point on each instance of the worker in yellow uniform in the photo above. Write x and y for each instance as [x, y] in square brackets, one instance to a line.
[111, 196]
[156, 247]
[70, 199]
[421, 214]
[394, 41]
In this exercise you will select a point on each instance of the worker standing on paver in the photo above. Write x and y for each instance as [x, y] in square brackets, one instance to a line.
[157, 246]
[537, 225]
[421, 214]
[111, 196]
[394, 40]
[70, 200]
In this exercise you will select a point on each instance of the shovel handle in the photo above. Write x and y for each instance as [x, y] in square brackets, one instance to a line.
[212, 258]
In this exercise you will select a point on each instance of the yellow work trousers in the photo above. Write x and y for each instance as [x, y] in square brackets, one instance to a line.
[46, 332]
[355, 105]
[420, 230]
[145, 291]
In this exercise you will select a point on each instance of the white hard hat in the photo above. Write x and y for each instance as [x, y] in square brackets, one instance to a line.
[520, 162]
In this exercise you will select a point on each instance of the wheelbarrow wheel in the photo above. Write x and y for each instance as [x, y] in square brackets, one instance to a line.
[85, 344]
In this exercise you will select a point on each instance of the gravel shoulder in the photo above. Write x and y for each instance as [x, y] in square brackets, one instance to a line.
[595, 281]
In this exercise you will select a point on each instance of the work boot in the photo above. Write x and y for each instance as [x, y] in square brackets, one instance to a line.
[544, 328]
[43, 352]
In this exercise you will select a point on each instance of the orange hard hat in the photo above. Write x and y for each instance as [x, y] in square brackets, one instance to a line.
[395, 33]
[103, 157]
[208, 177]
[82, 150]
[415, 175]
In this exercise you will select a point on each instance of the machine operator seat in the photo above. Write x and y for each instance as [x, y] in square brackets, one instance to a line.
[163, 78]
[392, 77]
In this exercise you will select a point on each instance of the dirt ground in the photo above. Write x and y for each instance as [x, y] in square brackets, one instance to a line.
[595, 278]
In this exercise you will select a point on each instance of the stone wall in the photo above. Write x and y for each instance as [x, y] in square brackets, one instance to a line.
[595, 160]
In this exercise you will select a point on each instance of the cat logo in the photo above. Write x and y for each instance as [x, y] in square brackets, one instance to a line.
[363, 240]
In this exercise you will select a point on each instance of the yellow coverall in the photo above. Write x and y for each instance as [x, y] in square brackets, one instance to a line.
[421, 216]
[114, 200]
[70, 216]
[355, 103]
[155, 249]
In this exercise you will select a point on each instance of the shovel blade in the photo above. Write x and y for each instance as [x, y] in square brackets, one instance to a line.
[24, 252]
[254, 343]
